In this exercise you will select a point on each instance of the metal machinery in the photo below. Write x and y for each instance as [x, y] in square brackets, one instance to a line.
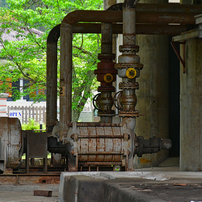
[99, 143]
[104, 143]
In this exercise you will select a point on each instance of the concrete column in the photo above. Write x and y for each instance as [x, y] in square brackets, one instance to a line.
[152, 96]
[191, 108]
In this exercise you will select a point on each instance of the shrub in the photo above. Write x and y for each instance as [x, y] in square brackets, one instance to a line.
[32, 125]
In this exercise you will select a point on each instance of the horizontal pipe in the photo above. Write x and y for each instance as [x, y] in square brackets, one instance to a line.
[100, 136]
[100, 153]
[170, 7]
[92, 16]
[94, 124]
[160, 29]
[164, 18]
[97, 16]
[142, 17]
[100, 163]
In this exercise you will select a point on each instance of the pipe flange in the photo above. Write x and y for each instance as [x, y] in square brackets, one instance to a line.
[106, 56]
[106, 113]
[129, 114]
[128, 48]
[123, 85]
[106, 88]
[138, 66]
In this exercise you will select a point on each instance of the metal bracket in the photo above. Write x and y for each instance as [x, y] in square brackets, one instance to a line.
[182, 60]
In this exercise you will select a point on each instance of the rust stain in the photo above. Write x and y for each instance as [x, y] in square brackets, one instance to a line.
[142, 160]
[178, 184]
[49, 180]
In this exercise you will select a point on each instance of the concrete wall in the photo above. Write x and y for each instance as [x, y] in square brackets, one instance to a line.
[191, 108]
[152, 96]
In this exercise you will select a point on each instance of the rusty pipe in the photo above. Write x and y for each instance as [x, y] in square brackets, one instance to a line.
[165, 17]
[51, 84]
[157, 29]
[106, 58]
[142, 17]
[106, 44]
[129, 26]
[171, 7]
[129, 3]
[52, 40]
[111, 16]
[66, 56]
[92, 16]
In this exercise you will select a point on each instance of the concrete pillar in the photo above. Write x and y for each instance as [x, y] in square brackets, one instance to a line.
[152, 96]
[191, 108]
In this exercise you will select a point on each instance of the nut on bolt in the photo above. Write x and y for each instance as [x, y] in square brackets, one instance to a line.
[131, 73]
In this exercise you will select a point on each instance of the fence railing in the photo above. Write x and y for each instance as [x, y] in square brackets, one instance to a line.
[24, 113]
[38, 113]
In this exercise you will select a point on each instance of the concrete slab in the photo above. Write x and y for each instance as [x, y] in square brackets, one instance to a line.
[134, 186]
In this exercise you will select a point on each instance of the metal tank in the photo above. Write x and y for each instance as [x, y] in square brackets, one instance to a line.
[10, 143]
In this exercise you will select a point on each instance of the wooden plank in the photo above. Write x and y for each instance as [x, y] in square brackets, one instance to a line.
[40, 114]
[26, 111]
[23, 114]
[36, 119]
[44, 114]
[33, 112]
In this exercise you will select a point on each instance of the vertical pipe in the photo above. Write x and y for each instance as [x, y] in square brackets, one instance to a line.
[51, 86]
[106, 45]
[129, 26]
[65, 76]
[106, 51]
[128, 71]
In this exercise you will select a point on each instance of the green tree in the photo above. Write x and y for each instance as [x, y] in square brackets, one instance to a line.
[26, 54]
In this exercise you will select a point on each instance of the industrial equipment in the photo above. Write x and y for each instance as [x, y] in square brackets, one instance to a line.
[104, 143]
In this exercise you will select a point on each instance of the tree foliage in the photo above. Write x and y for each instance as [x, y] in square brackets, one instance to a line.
[26, 54]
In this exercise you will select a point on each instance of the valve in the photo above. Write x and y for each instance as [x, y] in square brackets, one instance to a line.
[131, 73]
[108, 78]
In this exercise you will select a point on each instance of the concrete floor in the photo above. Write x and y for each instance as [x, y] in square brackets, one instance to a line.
[163, 183]
[25, 193]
